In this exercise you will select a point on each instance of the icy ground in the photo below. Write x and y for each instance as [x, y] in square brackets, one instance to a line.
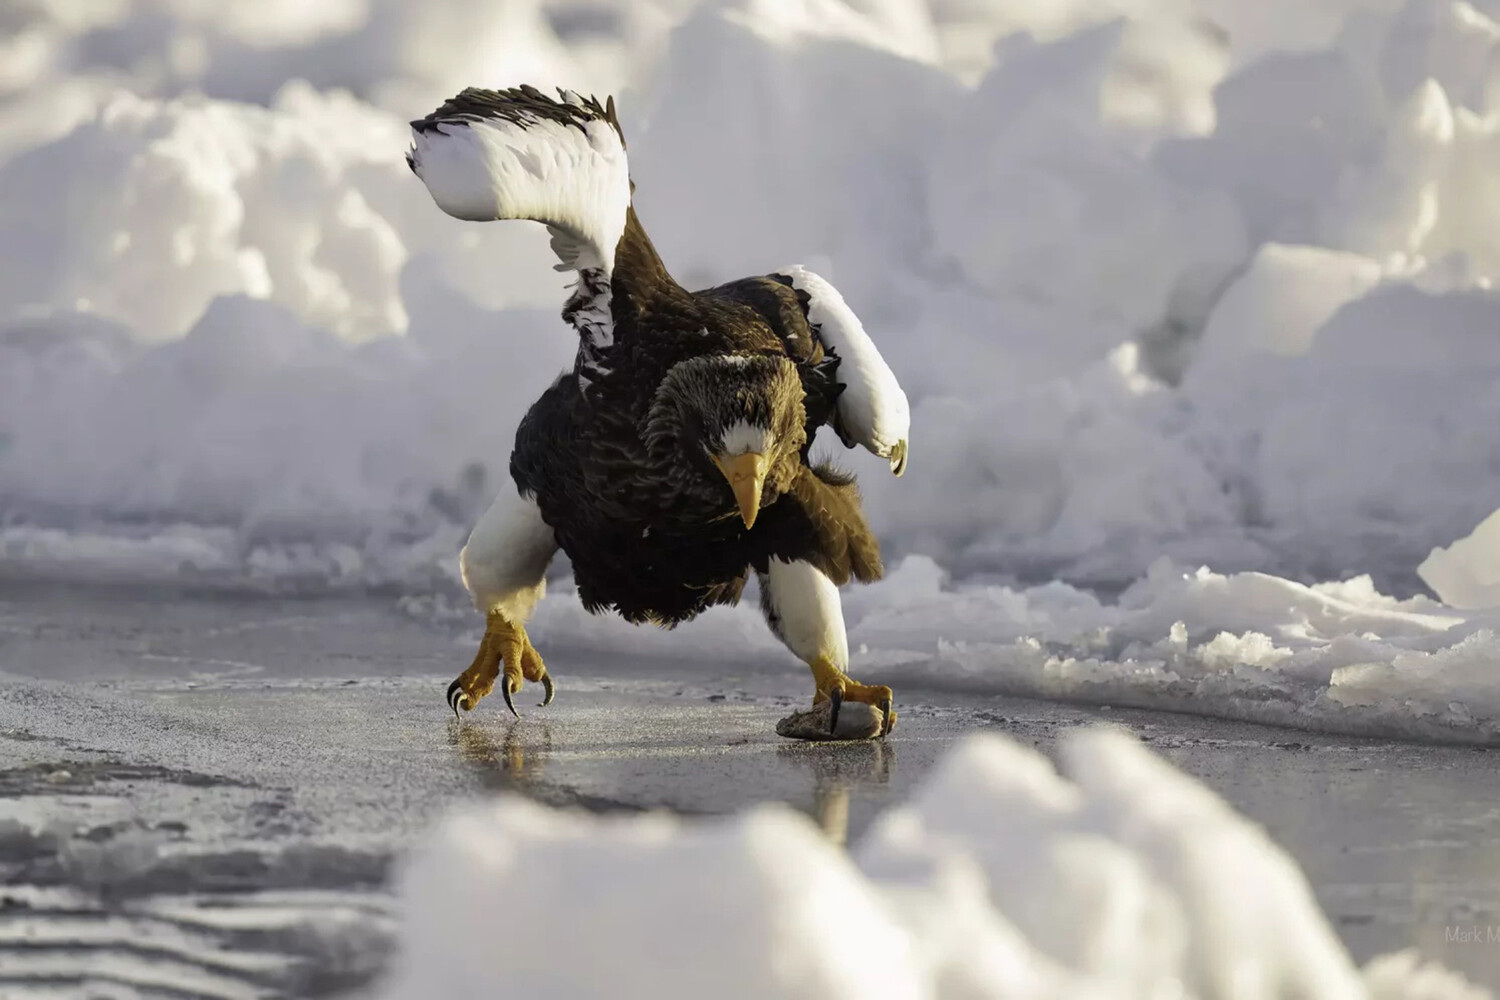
[207, 796]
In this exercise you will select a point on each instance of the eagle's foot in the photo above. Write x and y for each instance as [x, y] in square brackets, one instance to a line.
[505, 647]
[835, 691]
[844, 689]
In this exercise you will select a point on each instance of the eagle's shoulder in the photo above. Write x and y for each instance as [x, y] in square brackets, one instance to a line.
[777, 308]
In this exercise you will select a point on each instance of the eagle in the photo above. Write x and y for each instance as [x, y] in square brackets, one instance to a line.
[673, 459]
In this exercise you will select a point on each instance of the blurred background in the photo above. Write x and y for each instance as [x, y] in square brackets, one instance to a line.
[1209, 280]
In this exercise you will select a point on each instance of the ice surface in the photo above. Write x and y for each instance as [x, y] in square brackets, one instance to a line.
[1209, 282]
[1119, 877]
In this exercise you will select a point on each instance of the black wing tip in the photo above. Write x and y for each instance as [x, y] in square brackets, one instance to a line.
[475, 103]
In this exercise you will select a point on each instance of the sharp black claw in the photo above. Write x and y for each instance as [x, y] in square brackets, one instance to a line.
[887, 709]
[505, 690]
[549, 689]
[455, 694]
[837, 697]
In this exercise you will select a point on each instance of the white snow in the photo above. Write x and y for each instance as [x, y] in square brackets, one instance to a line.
[1168, 285]
[1280, 301]
[1467, 573]
[1117, 878]
[1336, 657]
[760, 907]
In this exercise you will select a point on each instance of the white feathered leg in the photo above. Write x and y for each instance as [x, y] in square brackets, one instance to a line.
[802, 606]
[504, 566]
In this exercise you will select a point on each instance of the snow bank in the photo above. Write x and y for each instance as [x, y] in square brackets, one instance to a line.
[1152, 290]
[1467, 573]
[1337, 657]
[1118, 878]
[760, 907]
[1332, 657]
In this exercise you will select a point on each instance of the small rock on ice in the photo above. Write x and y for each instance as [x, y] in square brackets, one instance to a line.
[857, 721]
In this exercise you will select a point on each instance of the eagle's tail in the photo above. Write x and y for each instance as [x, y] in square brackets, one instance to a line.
[518, 154]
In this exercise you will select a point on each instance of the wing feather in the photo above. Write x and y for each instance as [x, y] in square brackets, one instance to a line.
[517, 154]
[872, 409]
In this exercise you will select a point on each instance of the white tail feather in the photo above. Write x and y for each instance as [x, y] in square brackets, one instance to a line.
[494, 158]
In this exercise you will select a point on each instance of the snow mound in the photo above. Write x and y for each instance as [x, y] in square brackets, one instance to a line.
[1337, 657]
[1118, 878]
[171, 204]
[1281, 300]
[758, 907]
[1466, 574]
[1331, 657]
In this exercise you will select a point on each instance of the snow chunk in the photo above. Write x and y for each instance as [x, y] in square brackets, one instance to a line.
[1467, 573]
[1131, 875]
[1002, 879]
[1333, 657]
[1279, 302]
[149, 210]
[1035, 198]
[811, 77]
[761, 908]
[1392, 205]
[1403, 975]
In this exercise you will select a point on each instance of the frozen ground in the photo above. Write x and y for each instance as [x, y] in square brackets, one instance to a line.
[207, 794]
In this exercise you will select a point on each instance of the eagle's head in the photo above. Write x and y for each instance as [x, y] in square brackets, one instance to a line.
[739, 416]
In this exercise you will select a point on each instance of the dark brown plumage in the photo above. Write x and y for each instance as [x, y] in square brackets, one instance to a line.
[652, 531]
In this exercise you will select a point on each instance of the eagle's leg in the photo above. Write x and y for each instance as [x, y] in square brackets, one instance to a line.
[802, 606]
[504, 565]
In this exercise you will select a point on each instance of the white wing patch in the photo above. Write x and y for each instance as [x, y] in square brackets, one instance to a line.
[573, 177]
[873, 410]
[516, 154]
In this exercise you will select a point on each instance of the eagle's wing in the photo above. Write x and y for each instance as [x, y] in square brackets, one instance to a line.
[872, 409]
[518, 154]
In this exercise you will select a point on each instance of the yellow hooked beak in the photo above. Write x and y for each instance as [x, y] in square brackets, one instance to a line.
[747, 476]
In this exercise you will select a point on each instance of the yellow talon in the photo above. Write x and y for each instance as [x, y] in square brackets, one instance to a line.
[505, 645]
[833, 684]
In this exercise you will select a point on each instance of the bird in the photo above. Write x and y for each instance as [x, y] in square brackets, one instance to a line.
[673, 459]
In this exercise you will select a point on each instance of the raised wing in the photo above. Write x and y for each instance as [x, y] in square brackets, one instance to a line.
[872, 409]
[518, 154]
